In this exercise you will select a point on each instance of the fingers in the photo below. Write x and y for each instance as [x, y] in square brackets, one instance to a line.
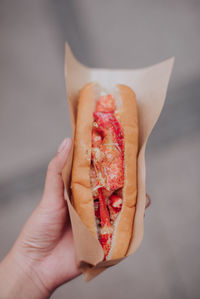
[54, 187]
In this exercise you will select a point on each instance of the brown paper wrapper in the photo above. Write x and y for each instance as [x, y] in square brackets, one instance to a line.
[150, 86]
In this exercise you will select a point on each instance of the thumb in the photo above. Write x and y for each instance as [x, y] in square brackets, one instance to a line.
[54, 187]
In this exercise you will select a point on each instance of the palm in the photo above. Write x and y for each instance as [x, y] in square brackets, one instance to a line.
[58, 262]
[46, 241]
[48, 244]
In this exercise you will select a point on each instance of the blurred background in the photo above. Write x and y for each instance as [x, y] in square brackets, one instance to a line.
[34, 119]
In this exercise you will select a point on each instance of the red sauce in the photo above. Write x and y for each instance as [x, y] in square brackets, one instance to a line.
[108, 163]
[96, 209]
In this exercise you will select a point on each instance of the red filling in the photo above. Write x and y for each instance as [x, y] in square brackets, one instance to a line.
[107, 168]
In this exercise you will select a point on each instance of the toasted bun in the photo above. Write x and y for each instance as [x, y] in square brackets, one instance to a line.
[124, 224]
[80, 183]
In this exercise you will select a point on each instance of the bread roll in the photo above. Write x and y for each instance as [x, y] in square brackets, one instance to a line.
[83, 200]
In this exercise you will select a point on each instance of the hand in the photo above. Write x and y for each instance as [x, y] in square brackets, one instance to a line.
[44, 254]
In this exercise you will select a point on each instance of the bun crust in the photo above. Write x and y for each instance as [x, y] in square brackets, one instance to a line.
[80, 183]
[124, 224]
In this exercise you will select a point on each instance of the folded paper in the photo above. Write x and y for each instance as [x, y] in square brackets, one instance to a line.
[150, 86]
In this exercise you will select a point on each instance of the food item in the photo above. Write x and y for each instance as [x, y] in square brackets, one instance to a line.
[104, 173]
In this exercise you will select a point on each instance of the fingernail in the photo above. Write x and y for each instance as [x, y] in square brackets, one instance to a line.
[63, 144]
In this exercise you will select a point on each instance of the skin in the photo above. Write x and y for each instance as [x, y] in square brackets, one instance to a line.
[43, 256]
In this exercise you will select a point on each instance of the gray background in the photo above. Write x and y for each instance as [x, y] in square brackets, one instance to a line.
[34, 119]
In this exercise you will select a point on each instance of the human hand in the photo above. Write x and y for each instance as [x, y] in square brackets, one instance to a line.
[43, 257]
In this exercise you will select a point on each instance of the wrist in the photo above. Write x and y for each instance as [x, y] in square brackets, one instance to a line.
[17, 281]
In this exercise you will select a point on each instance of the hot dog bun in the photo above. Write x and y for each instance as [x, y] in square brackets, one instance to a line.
[80, 183]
